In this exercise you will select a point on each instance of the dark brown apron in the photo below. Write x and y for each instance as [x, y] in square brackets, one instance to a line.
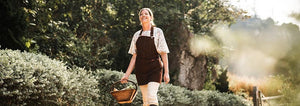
[147, 66]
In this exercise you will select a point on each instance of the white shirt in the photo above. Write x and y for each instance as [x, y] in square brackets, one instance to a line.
[159, 41]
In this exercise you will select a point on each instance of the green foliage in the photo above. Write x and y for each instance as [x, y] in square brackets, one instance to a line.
[30, 79]
[70, 31]
[222, 83]
[168, 94]
[96, 34]
[201, 18]
[12, 24]
[35, 79]
[121, 21]
[216, 76]
[214, 98]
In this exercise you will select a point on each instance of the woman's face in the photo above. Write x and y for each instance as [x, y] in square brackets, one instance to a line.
[145, 16]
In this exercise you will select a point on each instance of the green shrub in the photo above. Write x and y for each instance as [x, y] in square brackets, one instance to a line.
[168, 94]
[34, 79]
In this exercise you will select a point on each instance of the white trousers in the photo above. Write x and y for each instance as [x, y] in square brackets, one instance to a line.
[149, 93]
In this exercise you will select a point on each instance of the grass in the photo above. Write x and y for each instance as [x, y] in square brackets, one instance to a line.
[243, 85]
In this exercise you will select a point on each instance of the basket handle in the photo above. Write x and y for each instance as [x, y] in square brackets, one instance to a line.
[112, 86]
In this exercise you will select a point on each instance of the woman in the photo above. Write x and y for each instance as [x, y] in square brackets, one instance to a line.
[146, 46]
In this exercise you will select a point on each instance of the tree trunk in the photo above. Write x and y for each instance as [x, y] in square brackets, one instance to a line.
[190, 70]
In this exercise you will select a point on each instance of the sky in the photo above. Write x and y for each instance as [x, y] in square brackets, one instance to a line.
[278, 10]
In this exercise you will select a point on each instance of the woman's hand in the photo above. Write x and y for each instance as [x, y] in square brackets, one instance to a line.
[124, 79]
[166, 78]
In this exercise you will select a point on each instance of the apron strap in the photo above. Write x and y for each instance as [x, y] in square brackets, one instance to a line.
[141, 32]
[151, 33]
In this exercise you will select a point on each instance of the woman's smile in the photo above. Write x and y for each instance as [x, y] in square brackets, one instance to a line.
[145, 16]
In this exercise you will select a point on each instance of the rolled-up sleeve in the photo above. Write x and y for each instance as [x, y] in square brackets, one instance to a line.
[162, 46]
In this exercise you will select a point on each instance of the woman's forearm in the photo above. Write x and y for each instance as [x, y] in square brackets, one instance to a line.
[164, 57]
[131, 65]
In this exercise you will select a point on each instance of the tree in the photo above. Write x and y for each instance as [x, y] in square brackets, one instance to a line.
[70, 31]
[222, 83]
[12, 25]
[296, 16]
[97, 34]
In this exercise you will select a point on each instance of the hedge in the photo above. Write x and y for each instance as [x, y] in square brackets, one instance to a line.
[35, 79]
[168, 94]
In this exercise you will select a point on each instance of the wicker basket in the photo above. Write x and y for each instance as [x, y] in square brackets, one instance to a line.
[123, 96]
